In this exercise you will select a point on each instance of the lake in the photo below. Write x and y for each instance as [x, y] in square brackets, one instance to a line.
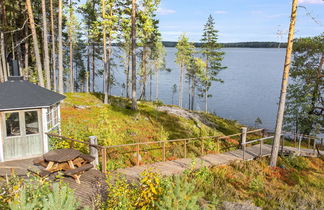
[251, 85]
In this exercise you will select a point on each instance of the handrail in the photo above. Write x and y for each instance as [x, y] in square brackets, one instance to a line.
[103, 149]
[256, 140]
[186, 139]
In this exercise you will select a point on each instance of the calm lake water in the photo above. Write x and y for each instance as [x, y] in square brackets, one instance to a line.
[251, 85]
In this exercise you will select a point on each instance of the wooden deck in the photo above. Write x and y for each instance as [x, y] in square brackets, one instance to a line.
[93, 181]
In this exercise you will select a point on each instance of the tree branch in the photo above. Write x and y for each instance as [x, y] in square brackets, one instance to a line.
[18, 29]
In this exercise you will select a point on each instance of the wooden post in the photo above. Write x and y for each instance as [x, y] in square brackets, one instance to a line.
[185, 148]
[314, 145]
[282, 143]
[104, 160]
[321, 141]
[93, 150]
[308, 146]
[261, 144]
[243, 140]
[163, 151]
[299, 143]
[202, 147]
[217, 141]
[71, 144]
[137, 154]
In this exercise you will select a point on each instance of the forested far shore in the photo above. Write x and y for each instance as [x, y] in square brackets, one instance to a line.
[237, 44]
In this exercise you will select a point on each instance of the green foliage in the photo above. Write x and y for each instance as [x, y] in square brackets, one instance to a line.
[35, 193]
[124, 195]
[304, 107]
[212, 55]
[185, 51]
[117, 124]
[296, 162]
[179, 194]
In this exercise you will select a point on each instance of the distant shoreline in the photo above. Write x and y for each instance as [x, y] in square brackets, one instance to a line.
[237, 44]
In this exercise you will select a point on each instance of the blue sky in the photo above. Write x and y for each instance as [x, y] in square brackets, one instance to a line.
[239, 20]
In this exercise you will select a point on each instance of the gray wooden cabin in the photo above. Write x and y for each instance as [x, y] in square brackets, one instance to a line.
[27, 113]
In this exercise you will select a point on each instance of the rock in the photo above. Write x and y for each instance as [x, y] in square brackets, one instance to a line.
[198, 118]
[244, 205]
[81, 107]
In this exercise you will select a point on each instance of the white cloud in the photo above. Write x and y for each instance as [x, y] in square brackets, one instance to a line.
[165, 11]
[221, 12]
[311, 2]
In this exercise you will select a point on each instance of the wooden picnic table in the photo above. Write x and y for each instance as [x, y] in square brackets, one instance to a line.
[72, 162]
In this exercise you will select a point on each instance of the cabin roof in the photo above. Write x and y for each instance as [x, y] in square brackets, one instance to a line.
[21, 94]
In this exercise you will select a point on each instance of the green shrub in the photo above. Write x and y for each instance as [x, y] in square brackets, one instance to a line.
[35, 193]
[297, 162]
[178, 194]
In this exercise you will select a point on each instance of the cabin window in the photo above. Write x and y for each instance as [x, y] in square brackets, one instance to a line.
[12, 124]
[52, 117]
[31, 122]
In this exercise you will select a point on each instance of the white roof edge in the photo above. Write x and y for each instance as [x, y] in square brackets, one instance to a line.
[20, 108]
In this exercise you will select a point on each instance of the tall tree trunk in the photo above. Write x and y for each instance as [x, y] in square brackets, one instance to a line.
[189, 96]
[53, 47]
[1, 72]
[35, 42]
[157, 82]
[71, 52]
[180, 86]
[60, 49]
[26, 59]
[109, 67]
[144, 74]
[193, 93]
[127, 73]
[3, 57]
[284, 84]
[45, 42]
[2, 43]
[133, 38]
[151, 72]
[93, 67]
[105, 90]
[206, 99]
[88, 66]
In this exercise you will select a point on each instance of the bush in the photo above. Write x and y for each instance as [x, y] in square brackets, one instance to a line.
[35, 193]
[297, 162]
[178, 193]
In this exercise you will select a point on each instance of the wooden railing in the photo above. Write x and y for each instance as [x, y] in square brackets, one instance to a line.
[102, 150]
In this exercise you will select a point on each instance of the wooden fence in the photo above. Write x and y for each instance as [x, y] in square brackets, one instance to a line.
[100, 152]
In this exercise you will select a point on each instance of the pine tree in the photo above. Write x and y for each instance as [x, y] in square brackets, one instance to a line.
[213, 57]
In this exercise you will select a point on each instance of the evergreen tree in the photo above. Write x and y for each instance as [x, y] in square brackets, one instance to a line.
[213, 57]
[305, 98]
